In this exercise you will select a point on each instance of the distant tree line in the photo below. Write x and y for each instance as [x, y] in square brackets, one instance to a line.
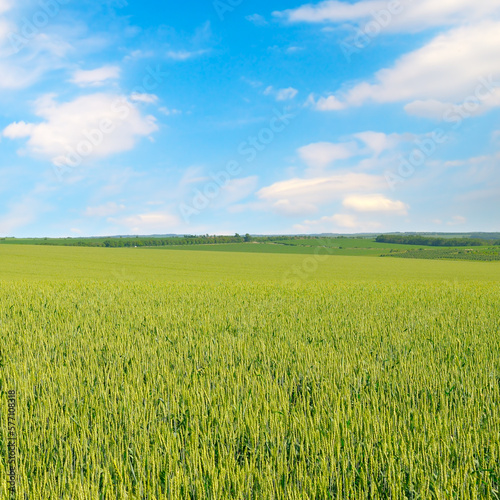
[157, 241]
[432, 241]
[174, 241]
[182, 241]
[149, 241]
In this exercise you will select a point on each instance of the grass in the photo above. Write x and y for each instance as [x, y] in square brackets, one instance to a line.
[198, 375]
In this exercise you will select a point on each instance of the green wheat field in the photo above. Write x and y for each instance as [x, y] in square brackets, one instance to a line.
[174, 374]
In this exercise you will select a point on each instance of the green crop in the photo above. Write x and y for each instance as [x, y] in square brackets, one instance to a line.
[248, 387]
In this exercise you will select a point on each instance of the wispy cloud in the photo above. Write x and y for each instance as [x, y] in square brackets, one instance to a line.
[375, 203]
[257, 19]
[337, 223]
[144, 98]
[286, 94]
[148, 223]
[95, 77]
[170, 111]
[302, 195]
[322, 154]
[107, 210]
[406, 15]
[184, 55]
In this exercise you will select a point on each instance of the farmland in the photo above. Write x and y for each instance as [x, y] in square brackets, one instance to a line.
[484, 247]
[486, 254]
[194, 374]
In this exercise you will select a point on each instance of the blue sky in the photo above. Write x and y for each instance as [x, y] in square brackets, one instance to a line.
[236, 116]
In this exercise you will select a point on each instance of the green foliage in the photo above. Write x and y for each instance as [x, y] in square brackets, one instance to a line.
[431, 241]
[484, 254]
[128, 242]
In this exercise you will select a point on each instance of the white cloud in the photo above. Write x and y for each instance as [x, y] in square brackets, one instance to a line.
[19, 130]
[378, 142]
[337, 223]
[468, 161]
[184, 55]
[474, 105]
[281, 94]
[253, 83]
[356, 190]
[306, 195]
[92, 126]
[375, 203]
[466, 56]
[338, 220]
[404, 16]
[430, 108]
[321, 154]
[106, 210]
[144, 98]
[330, 103]
[138, 54]
[148, 223]
[257, 19]
[457, 220]
[53, 44]
[170, 111]
[5, 5]
[95, 77]
[330, 11]
[286, 94]
[342, 220]
[293, 208]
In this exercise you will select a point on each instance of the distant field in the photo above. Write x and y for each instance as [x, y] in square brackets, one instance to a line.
[351, 247]
[278, 248]
[284, 245]
[332, 246]
[368, 243]
[62, 263]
